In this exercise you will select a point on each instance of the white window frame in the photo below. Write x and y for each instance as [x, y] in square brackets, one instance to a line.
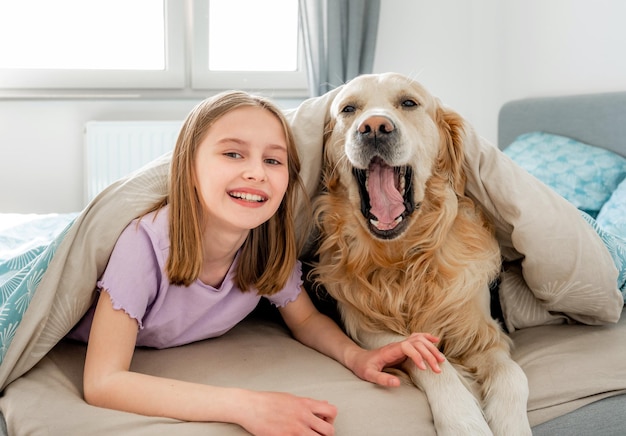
[172, 76]
[204, 78]
[186, 70]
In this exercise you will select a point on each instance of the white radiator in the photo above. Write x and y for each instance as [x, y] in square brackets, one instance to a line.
[114, 149]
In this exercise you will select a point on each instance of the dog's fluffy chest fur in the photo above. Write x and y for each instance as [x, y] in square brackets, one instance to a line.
[412, 283]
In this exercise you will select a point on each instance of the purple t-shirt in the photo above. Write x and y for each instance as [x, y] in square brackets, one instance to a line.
[170, 315]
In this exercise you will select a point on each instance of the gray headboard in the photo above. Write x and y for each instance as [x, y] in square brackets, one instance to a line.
[595, 119]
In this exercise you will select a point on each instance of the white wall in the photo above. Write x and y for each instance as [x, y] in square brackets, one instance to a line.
[474, 54]
[41, 143]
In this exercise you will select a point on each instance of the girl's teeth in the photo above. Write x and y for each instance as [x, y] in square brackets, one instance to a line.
[247, 197]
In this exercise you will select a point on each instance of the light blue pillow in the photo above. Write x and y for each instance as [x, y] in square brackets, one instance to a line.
[583, 174]
[612, 216]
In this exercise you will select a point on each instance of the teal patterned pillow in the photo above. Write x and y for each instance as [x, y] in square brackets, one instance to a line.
[612, 216]
[617, 248]
[583, 174]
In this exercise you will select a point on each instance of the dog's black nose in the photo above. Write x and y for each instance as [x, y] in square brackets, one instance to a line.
[376, 125]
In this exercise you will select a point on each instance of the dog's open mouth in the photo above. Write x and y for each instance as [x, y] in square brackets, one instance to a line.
[386, 197]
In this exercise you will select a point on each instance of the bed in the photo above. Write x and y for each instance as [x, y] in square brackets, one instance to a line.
[576, 371]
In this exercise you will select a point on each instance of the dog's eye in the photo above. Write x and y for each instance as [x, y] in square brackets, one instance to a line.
[348, 109]
[409, 103]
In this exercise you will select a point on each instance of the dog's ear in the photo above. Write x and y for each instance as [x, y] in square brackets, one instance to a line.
[329, 127]
[330, 177]
[451, 156]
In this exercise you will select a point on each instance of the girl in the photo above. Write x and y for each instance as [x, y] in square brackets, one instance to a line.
[198, 263]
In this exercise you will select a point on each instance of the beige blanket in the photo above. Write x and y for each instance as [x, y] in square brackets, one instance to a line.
[560, 271]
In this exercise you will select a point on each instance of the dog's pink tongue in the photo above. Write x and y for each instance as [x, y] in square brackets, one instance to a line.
[385, 199]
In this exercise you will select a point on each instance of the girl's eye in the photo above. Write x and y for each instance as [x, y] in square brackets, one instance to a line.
[273, 161]
[233, 154]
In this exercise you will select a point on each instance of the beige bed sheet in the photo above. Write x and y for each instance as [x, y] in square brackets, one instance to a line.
[259, 354]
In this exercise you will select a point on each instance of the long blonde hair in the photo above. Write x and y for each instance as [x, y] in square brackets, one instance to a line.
[269, 253]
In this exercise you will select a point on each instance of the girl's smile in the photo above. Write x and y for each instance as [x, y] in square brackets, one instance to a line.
[248, 198]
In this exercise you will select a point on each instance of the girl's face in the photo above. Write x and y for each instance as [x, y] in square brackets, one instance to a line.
[241, 169]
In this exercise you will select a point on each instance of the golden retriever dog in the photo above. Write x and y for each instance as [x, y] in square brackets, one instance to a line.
[403, 249]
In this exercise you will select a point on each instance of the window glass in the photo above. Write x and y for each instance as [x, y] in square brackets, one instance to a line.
[253, 35]
[82, 34]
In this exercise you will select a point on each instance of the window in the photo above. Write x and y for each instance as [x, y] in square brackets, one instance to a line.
[235, 37]
[150, 44]
[91, 44]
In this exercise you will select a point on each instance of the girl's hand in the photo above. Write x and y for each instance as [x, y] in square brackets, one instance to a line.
[277, 413]
[419, 347]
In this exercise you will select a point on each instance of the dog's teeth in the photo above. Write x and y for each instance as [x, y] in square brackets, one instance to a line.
[376, 223]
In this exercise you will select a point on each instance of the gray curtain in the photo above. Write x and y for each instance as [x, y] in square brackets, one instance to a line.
[339, 40]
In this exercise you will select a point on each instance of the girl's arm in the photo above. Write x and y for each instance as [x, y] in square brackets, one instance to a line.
[109, 383]
[319, 332]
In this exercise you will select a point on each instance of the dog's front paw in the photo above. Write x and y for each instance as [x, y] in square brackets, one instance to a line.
[460, 416]
[511, 424]
[463, 428]
[456, 411]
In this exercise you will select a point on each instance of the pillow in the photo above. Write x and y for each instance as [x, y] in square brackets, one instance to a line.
[615, 245]
[612, 216]
[583, 174]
